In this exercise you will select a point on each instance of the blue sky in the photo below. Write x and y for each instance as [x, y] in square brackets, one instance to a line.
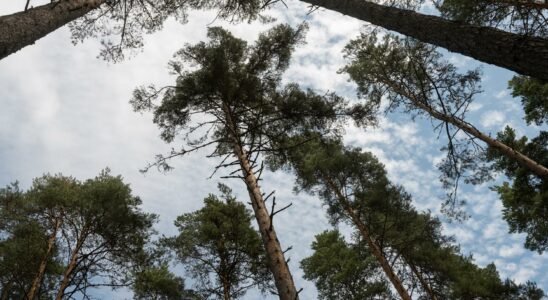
[65, 111]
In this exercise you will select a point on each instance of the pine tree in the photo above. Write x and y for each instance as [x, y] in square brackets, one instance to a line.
[344, 271]
[489, 45]
[407, 245]
[77, 235]
[414, 76]
[119, 23]
[248, 115]
[219, 242]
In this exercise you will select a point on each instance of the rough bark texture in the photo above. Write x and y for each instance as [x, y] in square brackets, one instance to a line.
[276, 259]
[524, 55]
[375, 249]
[25, 28]
[42, 268]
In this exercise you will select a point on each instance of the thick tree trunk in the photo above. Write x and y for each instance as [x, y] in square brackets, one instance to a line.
[509, 152]
[71, 266]
[276, 259]
[25, 28]
[43, 264]
[375, 249]
[524, 55]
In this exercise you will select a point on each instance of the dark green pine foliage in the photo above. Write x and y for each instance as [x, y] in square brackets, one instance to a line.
[344, 271]
[534, 98]
[424, 259]
[157, 282]
[525, 199]
[527, 17]
[220, 249]
[243, 114]
[85, 234]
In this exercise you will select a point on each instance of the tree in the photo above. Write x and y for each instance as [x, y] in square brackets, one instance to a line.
[534, 97]
[120, 23]
[408, 245]
[77, 235]
[158, 283]
[525, 201]
[343, 271]
[248, 114]
[126, 19]
[489, 45]
[220, 249]
[103, 231]
[526, 17]
[414, 76]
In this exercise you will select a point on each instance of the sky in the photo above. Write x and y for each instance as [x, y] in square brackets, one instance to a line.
[66, 111]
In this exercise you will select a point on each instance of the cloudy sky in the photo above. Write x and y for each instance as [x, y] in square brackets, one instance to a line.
[65, 111]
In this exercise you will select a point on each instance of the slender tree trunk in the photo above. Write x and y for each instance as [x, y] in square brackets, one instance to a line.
[375, 249]
[509, 152]
[226, 290]
[424, 284]
[524, 55]
[276, 259]
[43, 264]
[21, 29]
[71, 266]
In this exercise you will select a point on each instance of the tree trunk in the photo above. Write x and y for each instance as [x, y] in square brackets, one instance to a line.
[427, 288]
[276, 259]
[524, 55]
[71, 266]
[43, 264]
[509, 152]
[375, 249]
[21, 29]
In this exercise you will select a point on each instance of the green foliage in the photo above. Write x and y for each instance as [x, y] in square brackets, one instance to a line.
[534, 98]
[413, 76]
[101, 229]
[220, 249]
[524, 17]
[525, 200]
[343, 271]
[412, 240]
[122, 23]
[158, 283]
[239, 85]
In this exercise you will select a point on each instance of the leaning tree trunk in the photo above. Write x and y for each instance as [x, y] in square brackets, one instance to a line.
[24, 28]
[42, 268]
[69, 270]
[506, 150]
[524, 55]
[276, 259]
[373, 246]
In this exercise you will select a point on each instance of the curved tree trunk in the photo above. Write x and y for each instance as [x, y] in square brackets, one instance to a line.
[375, 249]
[524, 55]
[42, 268]
[21, 29]
[71, 266]
[276, 259]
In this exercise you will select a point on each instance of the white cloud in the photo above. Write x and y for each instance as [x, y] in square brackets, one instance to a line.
[493, 118]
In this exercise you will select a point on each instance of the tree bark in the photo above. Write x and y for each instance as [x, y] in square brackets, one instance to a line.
[43, 264]
[375, 249]
[21, 29]
[276, 259]
[71, 266]
[524, 55]
[509, 152]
